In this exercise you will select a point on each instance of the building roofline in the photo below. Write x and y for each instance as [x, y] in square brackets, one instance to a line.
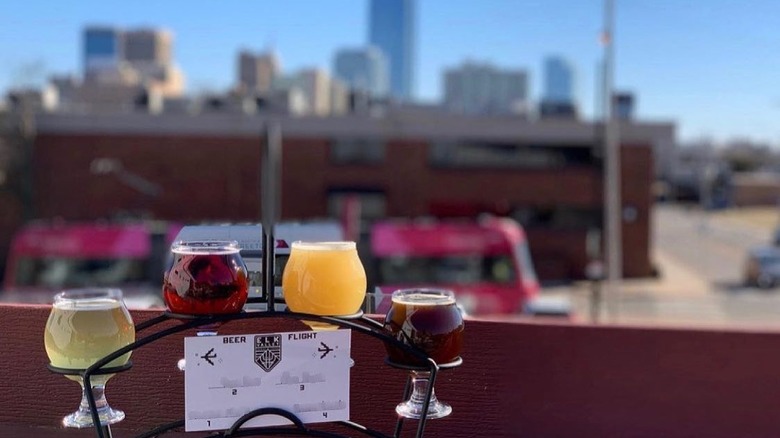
[395, 125]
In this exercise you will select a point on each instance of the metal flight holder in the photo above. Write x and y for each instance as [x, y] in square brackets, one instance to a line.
[360, 324]
[270, 187]
[270, 181]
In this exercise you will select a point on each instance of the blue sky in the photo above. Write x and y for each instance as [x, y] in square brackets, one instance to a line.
[712, 66]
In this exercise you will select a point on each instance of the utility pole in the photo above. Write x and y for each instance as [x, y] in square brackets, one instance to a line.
[612, 182]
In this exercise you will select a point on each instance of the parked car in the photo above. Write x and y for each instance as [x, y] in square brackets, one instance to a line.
[763, 267]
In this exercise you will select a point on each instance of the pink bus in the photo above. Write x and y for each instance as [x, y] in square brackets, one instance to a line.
[45, 257]
[486, 263]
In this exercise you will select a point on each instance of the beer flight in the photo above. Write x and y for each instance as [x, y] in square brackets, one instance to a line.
[210, 278]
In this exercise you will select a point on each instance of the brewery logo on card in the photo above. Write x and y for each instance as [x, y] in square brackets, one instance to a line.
[268, 351]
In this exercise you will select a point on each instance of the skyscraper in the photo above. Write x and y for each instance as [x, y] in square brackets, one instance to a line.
[475, 88]
[257, 72]
[316, 86]
[558, 98]
[150, 53]
[131, 58]
[102, 47]
[392, 30]
[148, 45]
[363, 69]
[558, 81]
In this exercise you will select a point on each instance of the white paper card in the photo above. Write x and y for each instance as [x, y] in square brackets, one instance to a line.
[305, 373]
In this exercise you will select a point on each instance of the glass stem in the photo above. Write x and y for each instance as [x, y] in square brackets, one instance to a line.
[99, 393]
[420, 381]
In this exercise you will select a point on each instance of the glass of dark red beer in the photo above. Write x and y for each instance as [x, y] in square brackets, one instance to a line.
[429, 320]
[205, 278]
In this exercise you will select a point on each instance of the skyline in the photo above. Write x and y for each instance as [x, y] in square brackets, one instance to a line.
[704, 67]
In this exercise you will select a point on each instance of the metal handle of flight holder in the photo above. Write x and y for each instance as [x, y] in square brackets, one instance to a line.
[270, 189]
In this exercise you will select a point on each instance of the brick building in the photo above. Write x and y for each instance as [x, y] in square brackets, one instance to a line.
[547, 174]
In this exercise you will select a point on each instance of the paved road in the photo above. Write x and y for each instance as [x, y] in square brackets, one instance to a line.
[701, 259]
[712, 249]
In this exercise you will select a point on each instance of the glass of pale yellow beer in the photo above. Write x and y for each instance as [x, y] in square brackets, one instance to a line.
[84, 326]
[324, 278]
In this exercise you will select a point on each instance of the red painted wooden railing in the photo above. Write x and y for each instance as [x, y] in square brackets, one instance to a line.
[524, 379]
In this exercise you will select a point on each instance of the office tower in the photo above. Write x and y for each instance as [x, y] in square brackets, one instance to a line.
[316, 87]
[148, 46]
[257, 72]
[102, 48]
[623, 105]
[475, 88]
[363, 69]
[339, 97]
[130, 60]
[392, 30]
[558, 81]
[558, 98]
[150, 53]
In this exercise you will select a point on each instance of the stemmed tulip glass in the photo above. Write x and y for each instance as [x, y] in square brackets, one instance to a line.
[84, 326]
[205, 278]
[429, 320]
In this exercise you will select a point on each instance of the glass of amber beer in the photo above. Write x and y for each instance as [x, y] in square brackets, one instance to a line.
[429, 320]
[324, 278]
[84, 326]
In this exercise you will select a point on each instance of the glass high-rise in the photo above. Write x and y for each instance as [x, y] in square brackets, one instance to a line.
[102, 47]
[481, 88]
[392, 30]
[558, 81]
[363, 69]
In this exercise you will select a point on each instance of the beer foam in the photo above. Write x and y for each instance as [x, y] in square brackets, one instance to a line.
[324, 246]
[205, 251]
[87, 304]
[424, 299]
[210, 247]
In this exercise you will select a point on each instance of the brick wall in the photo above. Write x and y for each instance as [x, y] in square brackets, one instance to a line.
[216, 178]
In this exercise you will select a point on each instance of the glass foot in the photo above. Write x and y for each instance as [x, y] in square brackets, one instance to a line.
[413, 408]
[436, 409]
[83, 417]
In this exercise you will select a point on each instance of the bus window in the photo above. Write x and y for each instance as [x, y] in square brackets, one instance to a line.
[500, 269]
[470, 269]
[55, 272]
[526, 264]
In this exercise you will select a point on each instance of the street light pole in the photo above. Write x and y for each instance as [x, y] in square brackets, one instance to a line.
[612, 183]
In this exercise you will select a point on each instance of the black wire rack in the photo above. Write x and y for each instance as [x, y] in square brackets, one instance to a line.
[360, 323]
[271, 166]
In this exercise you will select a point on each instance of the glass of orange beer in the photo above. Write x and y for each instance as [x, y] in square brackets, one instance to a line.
[324, 278]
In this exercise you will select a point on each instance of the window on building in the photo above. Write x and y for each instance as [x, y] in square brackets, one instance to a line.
[506, 155]
[558, 217]
[357, 151]
[373, 203]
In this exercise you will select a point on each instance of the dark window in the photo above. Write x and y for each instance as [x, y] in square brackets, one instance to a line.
[506, 155]
[559, 217]
[373, 204]
[357, 151]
